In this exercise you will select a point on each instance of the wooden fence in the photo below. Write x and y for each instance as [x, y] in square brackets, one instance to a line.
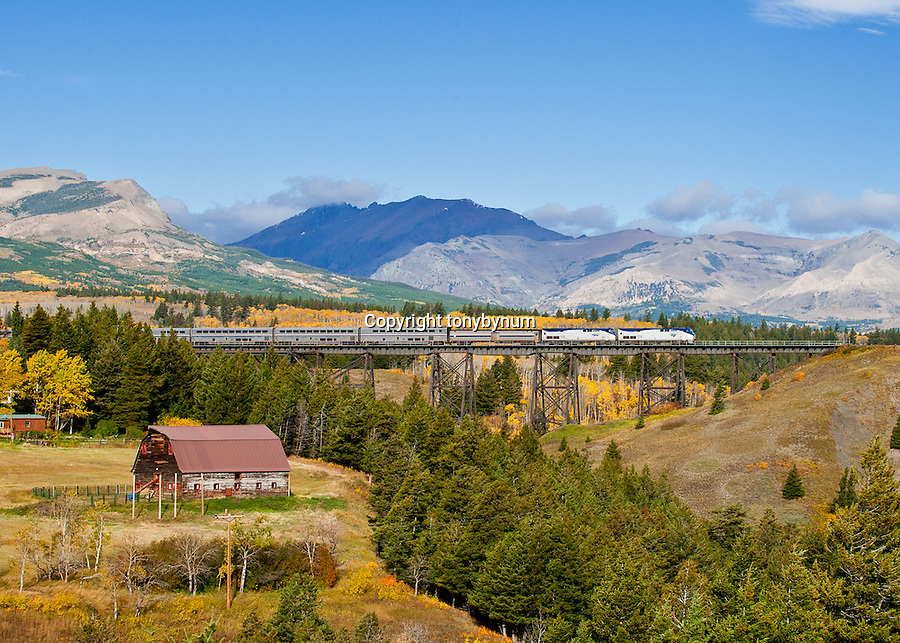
[111, 494]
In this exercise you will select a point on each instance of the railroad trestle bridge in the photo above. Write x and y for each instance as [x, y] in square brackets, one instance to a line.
[553, 392]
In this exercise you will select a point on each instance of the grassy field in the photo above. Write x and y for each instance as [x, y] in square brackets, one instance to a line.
[51, 611]
[818, 415]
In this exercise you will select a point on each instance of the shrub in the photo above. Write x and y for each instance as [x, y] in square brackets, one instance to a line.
[765, 385]
[106, 429]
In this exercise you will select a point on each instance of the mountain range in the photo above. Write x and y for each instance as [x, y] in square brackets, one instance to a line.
[498, 256]
[840, 280]
[379, 233]
[59, 228]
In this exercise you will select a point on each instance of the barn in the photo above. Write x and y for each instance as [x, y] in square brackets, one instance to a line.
[217, 461]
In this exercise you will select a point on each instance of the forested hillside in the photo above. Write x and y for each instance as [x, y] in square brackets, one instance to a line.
[538, 544]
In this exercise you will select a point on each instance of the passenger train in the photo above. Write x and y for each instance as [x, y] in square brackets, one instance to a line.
[285, 336]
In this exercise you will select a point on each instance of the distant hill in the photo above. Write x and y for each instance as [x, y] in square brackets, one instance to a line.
[818, 415]
[357, 241]
[59, 229]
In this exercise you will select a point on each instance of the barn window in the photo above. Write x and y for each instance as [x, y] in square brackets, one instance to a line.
[274, 485]
[27, 424]
[2, 424]
[196, 486]
[237, 485]
[259, 485]
[170, 486]
[216, 486]
[237, 476]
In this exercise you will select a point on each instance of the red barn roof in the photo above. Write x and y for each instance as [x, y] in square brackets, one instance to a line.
[220, 448]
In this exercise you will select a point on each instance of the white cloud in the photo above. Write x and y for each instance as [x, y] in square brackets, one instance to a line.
[225, 224]
[591, 220]
[5, 72]
[874, 32]
[824, 12]
[706, 208]
[826, 213]
[700, 200]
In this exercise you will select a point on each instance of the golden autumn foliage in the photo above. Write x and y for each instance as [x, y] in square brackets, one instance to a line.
[12, 377]
[60, 385]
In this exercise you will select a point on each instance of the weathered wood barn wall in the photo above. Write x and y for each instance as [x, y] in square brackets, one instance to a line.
[222, 461]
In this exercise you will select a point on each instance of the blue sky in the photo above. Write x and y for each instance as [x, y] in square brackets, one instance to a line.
[779, 116]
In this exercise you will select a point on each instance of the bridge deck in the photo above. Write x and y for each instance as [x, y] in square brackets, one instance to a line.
[581, 349]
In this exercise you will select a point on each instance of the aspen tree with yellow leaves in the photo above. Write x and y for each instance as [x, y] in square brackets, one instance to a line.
[12, 377]
[60, 386]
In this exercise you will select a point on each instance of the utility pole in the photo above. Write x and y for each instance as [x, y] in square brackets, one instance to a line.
[9, 400]
[229, 519]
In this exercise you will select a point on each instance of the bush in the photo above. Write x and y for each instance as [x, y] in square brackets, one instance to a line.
[765, 385]
[105, 429]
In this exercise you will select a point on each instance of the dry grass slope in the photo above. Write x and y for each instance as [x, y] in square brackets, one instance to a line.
[818, 414]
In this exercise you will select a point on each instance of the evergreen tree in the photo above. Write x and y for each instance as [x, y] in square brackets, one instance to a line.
[862, 543]
[718, 404]
[16, 321]
[63, 334]
[134, 397]
[37, 332]
[296, 618]
[846, 490]
[895, 435]
[106, 375]
[727, 525]
[793, 485]
[369, 630]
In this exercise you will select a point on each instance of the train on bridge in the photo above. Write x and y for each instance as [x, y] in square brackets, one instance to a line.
[287, 336]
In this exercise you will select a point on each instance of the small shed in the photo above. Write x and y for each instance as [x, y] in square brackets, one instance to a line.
[21, 422]
[221, 460]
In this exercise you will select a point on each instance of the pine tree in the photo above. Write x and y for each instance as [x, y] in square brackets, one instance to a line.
[895, 436]
[718, 404]
[37, 332]
[563, 444]
[793, 486]
[846, 490]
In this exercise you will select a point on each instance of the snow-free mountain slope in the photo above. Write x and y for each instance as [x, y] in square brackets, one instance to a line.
[356, 241]
[738, 273]
[114, 234]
